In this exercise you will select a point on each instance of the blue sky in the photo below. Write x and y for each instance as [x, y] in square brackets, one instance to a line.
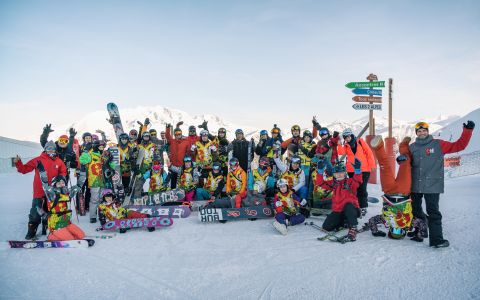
[250, 62]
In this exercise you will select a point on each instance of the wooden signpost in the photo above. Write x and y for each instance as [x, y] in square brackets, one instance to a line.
[367, 99]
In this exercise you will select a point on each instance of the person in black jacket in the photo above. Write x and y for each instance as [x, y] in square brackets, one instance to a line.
[64, 146]
[239, 149]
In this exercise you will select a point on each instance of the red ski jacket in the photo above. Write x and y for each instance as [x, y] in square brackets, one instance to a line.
[53, 167]
[178, 148]
[344, 191]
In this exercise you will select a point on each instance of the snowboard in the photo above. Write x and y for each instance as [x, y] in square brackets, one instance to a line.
[117, 176]
[85, 243]
[81, 202]
[115, 119]
[198, 204]
[138, 166]
[137, 223]
[159, 198]
[373, 200]
[226, 214]
[178, 211]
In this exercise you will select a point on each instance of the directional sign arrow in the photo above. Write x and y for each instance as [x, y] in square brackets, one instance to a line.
[367, 92]
[367, 99]
[367, 106]
[367, 84]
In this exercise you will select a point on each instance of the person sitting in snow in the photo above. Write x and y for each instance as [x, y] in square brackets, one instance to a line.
[261, 180]
[287, 205]
[110, 210]
[294, 176]
[344, 198]
[188, 177]
[214, 184]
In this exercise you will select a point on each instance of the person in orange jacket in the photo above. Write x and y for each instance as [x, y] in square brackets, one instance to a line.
[354, 147]
[236, 182]
[178, 149]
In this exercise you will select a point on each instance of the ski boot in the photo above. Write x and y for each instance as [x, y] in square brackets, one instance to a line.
[150, 229]
[93, 220]
[379, 233]
[32, 231]
[282, 228]
[441, 244]
[351, 236]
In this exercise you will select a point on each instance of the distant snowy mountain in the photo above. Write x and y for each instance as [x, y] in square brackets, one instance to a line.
[159, 116]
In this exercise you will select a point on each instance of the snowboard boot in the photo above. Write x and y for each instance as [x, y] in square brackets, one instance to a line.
[32, 231]
[379, 233]
[150, 229]
[351, 235]
[93, 220]
[441, 244]
[282, 228]
[376, 142]
[123, 230]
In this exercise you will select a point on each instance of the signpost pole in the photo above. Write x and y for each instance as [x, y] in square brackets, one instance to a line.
[371, 135]
[390, 141]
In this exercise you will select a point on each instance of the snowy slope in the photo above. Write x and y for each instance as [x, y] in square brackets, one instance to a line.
[243, 259]
[10, 148]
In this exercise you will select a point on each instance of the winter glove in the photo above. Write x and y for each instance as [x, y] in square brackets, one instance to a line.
[147, 121]
[42, 213]
[203, 125]
[48, 128]
[321, 164]
[179, 124]
[357, 166]
[315, 122]
[213, 148]
[304, 202]
[100, 131]
[335, 134]
[168, 125]
[41, 171]
[193, 148]
[75, 189]
[72, 132]
[470, 125]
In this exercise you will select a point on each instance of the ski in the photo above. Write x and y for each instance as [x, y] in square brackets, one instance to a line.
[85, 243]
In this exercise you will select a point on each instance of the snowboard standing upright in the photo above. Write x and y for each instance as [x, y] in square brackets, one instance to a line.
[117, 176]
[115, 119]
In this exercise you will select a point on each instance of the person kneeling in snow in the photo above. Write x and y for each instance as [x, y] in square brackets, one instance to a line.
[110, 210]
[344, 198]
[58, 213]
[287, 205]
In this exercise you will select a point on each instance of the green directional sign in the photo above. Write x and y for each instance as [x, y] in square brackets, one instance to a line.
[366, 84]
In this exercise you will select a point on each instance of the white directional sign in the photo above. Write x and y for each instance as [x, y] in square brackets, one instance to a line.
[367, 106]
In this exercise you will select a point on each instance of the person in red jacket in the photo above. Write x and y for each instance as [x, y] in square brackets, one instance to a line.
[178, 149]
[356, 148]
[54, 166]
[344, 198]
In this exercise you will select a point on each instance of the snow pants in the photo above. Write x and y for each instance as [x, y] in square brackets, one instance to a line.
[302, 192]
[33, 216]
[433, 217]
[95, 193]
[293, 219]
[337, 219]
[138, 187]
[403, 182]
[71, 232]
[202, 194]
[362, 193]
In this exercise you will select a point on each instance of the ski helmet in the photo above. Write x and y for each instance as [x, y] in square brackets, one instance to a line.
[153, 132]
[324, 131]
[239, 131]
[146, 133]
[307, 133]
[123, 136]
[204, 133]
[264, 162]
[263, 132]
[275, 129]
[85, 135]
[295, 127]
[107, 193]
[51, 149]
[133, 133]
[63, 140]
[192, 130]
[347, 132]
[97, 144]
[222, 130]
[177, 131]
[282, 182]
[421, 125]
[233, 162]
[296, 159]
[216, 166]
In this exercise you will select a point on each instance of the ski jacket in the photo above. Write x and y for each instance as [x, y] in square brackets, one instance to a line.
[427, 161]
[95, 163]
[178, 148]
[237, 181]
[344, 191]
[260, 177]
[295, 178]
[204, 154]
[159, 181]
[305, 153]
[222, 145]
[148, 153]
[125, 159]
[286, 202]
[292, 140]
[328, 148]
[363, 153]
[188, 179]
[239, 149]
[53, 167]
[110, 211]
[214, 184]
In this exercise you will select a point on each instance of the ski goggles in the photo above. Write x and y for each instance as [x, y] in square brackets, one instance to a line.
[275, 131]
[421, 125]
[216, 168]
[63, 140]
[323, 132]
[233, 163]
[296, 160]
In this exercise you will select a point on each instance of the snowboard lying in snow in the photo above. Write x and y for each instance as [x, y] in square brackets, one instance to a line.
[52, 244]
[137, 223]
[178, 211]
[226, 214]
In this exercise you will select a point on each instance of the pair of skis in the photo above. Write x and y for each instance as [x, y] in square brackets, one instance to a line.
[339, 235]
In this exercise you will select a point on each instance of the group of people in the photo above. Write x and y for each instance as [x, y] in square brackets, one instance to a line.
[291, 175]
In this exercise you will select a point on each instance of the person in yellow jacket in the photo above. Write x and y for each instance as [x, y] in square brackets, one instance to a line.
[236, 182]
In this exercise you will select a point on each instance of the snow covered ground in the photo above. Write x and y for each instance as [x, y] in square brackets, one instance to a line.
[244, 259]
